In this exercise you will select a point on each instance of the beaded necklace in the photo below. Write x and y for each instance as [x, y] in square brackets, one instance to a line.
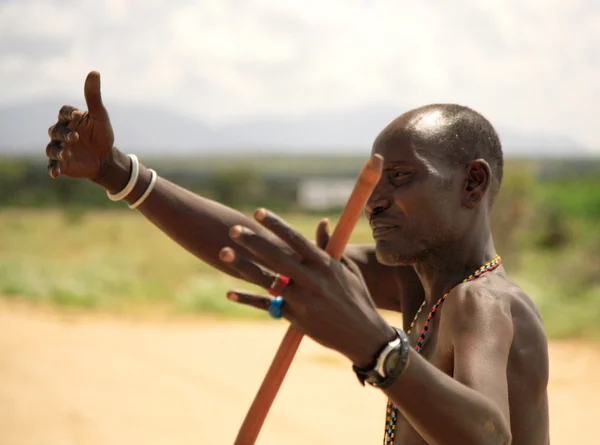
[391, 415]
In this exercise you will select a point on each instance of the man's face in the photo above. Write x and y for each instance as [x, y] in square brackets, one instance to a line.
[415, 209]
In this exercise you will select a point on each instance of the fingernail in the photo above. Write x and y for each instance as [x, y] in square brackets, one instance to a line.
[260, 214]
[63, 154]
[227, 255]
[232, 296]
[235, 232]
[76, 115]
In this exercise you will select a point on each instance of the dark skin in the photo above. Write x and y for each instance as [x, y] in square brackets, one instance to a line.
[483, 372]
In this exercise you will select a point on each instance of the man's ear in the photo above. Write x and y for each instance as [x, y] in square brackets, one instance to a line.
[477, 183]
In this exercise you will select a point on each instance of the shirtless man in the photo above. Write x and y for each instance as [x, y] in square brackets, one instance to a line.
[473, 368]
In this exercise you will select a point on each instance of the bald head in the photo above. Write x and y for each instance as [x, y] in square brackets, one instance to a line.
[452, 133]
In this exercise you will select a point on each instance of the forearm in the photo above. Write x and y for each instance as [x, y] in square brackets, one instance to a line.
[198, 224]
[201, 226]
[443, 410]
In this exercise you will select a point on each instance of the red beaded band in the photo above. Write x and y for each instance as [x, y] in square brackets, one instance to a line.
[279, 283]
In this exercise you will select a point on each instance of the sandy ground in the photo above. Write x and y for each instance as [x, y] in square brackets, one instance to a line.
[97, 380]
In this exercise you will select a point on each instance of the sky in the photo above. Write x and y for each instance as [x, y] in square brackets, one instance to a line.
[533, 66]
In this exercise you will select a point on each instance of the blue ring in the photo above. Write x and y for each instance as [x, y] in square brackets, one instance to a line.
[275, 307]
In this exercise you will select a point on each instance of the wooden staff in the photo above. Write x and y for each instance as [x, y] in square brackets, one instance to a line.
[367, 180]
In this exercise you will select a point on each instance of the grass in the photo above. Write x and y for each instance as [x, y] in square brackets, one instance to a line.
[114, 261]
[118, 262]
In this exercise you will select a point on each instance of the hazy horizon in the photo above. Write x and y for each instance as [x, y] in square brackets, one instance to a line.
[532, 68]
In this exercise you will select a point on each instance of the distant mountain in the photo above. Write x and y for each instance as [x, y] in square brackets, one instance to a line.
[152, 130]
[144, 128]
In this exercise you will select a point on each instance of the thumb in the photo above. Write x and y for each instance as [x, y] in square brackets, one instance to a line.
[93, 97]
[323, 233]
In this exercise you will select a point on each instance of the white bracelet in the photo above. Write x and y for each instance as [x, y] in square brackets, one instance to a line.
[153, 179]
[135, 173]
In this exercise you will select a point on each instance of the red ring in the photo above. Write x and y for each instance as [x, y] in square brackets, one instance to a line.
[279, 283]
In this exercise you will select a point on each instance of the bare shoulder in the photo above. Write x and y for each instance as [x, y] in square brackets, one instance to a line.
[482, 306]
[494, 298]
[494, 306]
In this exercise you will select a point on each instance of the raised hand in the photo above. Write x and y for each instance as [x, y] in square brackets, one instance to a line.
[81, 143]
[326, 299]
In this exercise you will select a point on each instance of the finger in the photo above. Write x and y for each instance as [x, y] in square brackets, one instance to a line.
[307, 250]
[247, 269]
[254, 300]
[322, 237]
[56, 151]
[271, 256]
[76, 117]
[61, 132]
[54, 169]
[65, 114]
[258, 301]
[93, 97]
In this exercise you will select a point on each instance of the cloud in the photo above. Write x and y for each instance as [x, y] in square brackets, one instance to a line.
[530, 65]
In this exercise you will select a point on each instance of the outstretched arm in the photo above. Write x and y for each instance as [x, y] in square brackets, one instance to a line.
[82, 146]
[202, 225]
[198, 224]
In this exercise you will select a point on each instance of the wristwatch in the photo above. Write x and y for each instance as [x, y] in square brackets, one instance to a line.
[389, 364]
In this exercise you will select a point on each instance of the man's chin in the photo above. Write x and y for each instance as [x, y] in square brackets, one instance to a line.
[392, 256]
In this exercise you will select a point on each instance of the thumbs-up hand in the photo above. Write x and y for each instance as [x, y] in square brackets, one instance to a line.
[81, 143]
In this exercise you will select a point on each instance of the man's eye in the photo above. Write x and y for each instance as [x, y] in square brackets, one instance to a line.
[395, 176]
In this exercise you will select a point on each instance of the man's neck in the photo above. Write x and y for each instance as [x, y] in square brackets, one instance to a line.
[445, 269]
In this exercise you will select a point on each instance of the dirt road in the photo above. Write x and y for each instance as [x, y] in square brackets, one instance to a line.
[67, 380]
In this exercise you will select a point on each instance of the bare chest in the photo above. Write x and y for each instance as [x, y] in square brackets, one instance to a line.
[437, 351]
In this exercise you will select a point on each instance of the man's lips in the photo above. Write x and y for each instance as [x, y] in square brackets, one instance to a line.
[382, 224]
[381, 227]
[381, 231]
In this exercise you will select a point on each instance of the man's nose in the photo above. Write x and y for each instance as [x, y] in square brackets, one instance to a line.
[377, 202]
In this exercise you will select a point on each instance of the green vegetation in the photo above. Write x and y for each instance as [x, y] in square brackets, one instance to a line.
[61, 245]
[113, 261]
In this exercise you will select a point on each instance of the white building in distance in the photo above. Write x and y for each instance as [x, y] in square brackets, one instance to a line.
[324, 193]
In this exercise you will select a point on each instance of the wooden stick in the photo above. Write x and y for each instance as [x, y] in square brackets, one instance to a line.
[367, 180]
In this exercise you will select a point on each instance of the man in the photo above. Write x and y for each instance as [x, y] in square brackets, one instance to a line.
[474, 367]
